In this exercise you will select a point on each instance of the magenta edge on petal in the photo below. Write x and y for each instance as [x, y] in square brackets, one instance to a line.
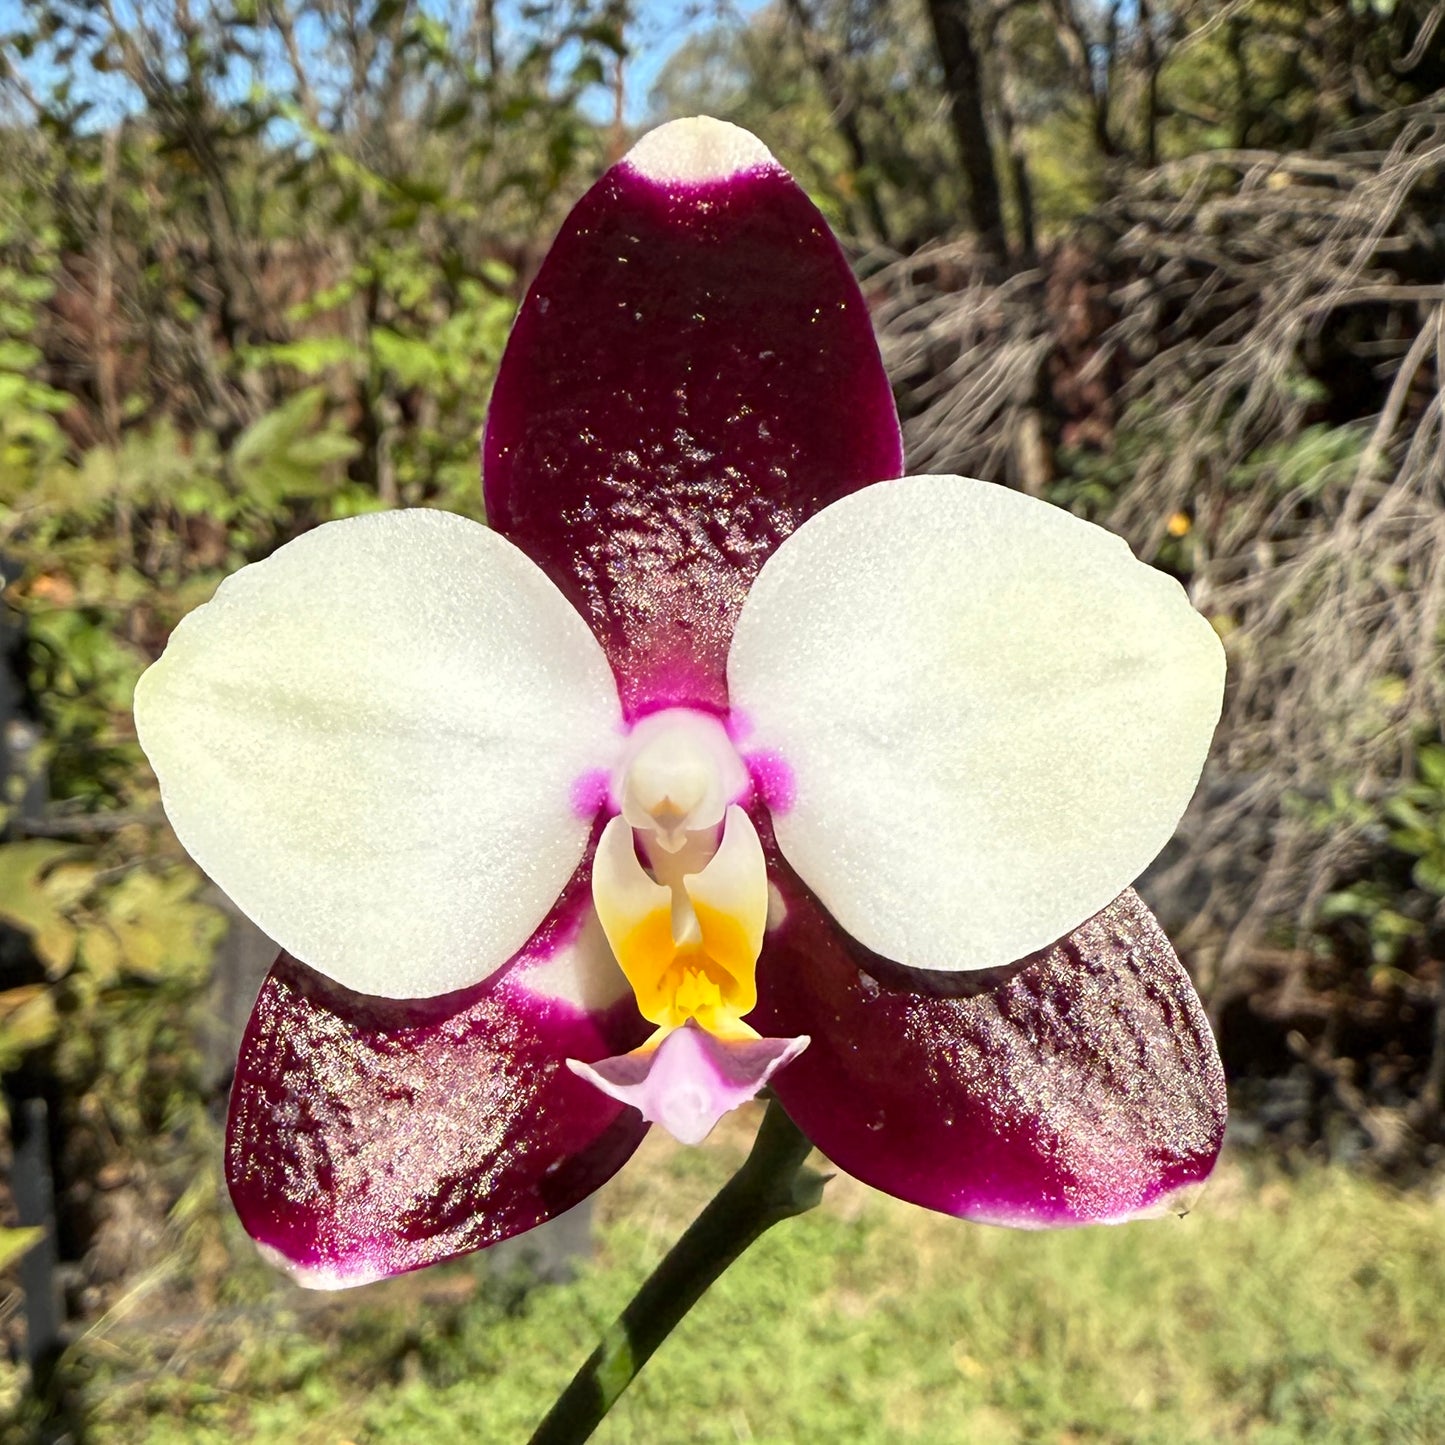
[674, 691]
[590, 793]
[773, 779]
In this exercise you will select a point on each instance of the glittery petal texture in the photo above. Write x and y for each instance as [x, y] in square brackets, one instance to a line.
[368, 1137]
[1081, 1085]
[692, 375]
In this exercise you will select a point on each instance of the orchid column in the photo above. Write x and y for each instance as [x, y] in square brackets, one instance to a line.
[724, 759]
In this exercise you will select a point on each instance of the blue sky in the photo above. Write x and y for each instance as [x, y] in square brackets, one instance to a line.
[661, 26]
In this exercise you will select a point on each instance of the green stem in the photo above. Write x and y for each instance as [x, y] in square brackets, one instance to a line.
[772, 1185]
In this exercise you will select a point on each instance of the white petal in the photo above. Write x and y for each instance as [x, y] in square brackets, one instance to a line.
[370, 741]
[994, 715]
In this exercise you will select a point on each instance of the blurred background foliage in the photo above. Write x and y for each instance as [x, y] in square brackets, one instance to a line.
[1174, 265]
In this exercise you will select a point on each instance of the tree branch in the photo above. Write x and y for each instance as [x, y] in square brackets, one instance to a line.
[963, 81]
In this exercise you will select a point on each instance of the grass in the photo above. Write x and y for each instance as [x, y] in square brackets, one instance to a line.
[1304, 1308]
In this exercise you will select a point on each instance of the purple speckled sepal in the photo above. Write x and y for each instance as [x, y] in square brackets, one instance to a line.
[372, 1136]
[692, 1078]
[1081, 1085]
[692, 375]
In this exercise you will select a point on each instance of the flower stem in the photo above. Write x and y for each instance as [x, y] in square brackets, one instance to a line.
[771, 1185]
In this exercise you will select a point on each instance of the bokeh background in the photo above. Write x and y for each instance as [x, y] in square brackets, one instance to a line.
[1175, 264]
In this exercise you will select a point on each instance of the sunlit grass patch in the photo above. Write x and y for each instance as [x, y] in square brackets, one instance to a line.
[1282, 1309]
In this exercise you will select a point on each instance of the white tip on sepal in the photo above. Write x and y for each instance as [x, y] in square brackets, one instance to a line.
[697, 150]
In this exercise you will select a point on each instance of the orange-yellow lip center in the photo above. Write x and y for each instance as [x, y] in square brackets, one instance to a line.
[686, 928]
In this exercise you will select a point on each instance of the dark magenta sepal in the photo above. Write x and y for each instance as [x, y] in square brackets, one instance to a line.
[692, 375]
[1080, 1085]
[372, 1136]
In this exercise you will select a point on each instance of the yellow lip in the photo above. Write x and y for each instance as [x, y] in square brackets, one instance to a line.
[688, 946]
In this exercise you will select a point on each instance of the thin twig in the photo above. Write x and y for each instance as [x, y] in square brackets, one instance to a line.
[87, 825]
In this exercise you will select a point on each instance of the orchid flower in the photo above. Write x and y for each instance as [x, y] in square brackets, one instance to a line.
[723, 758]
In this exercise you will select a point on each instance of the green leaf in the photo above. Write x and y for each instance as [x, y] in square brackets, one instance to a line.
[100, 953]
[284, 454]
[162, 930]
[14, 1242]
[451, 116]
[18, 355]
[427, 193]
[27, 903]
[1431, 766]
[403, 217]
[413, 362]
[588, 71]
[350, 205]
[1429, 874]
[606, 34]
[28, 1021]
[310, 357]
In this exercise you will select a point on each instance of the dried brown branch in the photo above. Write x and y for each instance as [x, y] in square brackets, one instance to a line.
[1232, 274]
